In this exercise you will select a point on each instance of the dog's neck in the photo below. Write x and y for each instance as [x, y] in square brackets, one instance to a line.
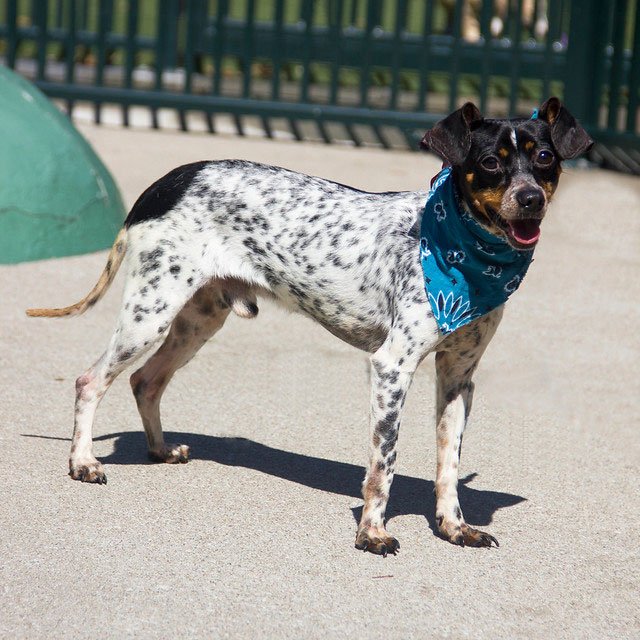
[468, 270]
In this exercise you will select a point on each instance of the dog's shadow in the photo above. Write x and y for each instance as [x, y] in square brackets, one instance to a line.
[409, 495]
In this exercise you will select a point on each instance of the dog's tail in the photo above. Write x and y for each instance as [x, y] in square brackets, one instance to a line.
[114, 260]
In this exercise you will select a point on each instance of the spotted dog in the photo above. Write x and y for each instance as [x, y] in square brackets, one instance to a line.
[210, 238]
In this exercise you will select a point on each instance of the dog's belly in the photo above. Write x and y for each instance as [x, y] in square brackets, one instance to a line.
[359, 321]
[368, 339]
[350, 308]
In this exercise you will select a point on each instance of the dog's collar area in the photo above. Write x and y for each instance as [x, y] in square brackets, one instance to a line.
[445, 165]
[467, 270]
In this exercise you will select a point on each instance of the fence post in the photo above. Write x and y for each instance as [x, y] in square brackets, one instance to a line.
[12, 34]
[585, 56]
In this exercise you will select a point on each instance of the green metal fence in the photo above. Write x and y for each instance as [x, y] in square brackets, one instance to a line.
[373, 72]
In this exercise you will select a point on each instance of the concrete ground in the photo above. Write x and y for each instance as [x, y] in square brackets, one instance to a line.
[254, 537]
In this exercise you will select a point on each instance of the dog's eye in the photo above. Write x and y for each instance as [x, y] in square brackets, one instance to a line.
[545, 158]
[490, 163]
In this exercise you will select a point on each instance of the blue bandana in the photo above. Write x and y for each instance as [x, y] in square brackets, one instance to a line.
[467, 270]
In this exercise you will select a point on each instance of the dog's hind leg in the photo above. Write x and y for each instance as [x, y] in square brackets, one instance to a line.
[141, 325]
[200, 319]
[90, 389]
[455, 366]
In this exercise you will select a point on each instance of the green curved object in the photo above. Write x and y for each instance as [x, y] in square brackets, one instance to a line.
[56, 196]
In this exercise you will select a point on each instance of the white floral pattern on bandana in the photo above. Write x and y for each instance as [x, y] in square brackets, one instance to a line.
[467, 270]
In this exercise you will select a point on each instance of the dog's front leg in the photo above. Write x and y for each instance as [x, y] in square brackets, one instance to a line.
[391, 377]
[454, 368]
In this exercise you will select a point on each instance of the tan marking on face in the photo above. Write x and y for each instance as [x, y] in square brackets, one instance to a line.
[470, 177]
[528, 145]
[503, 152]
[488, 198]
[549, 189]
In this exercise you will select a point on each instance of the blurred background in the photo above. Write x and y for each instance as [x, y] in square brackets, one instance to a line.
[363, 72]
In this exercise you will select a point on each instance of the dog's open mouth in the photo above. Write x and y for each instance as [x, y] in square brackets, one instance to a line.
[525, 231]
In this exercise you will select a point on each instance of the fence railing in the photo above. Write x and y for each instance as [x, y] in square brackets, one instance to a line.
[371, 71]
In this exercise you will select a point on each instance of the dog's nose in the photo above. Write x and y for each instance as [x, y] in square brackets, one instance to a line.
[530, 199]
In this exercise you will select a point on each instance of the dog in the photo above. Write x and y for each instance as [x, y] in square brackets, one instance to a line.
[209, 238]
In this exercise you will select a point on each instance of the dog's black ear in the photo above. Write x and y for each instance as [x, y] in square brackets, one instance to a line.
[568, 137]
[451, 137]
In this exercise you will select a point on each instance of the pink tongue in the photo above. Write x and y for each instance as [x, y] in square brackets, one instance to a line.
[525, 231]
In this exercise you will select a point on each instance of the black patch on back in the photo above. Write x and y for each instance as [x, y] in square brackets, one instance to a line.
[164, 194]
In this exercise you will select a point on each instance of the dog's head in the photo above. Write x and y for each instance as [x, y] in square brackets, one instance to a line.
[507, 170]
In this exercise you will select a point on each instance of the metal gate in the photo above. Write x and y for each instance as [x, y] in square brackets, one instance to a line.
[368, 71]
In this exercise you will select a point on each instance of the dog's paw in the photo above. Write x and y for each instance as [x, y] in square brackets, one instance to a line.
[90, 471]
[377, 541]
[465, 536]
[170, 453]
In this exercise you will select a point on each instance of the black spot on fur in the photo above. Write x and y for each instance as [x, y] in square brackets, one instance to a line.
[251, 244]
[205, 307]
[452, 395]
[387, 426]
[139, 388]
[150, 261]
[388, 445]
[414, 232]
[181, 326]
[126, 354]
[297, 292]
[163, 195]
